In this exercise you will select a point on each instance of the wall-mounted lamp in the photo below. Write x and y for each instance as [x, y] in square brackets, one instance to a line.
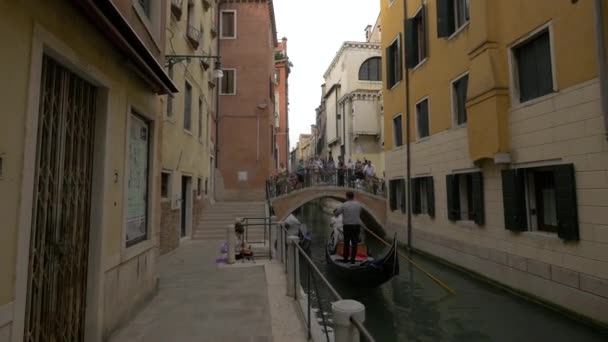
[174, 59]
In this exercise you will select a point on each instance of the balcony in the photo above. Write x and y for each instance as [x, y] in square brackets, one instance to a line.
[194, 36]
[206, 4]
[176, 8]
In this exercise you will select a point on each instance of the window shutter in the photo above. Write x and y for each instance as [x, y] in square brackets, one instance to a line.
[403, 204]
[399, 59]
[565, 196]
[430, 196]
[514, 200]
[542, 52]
[445, 18]
[393, 195]
[478, 208]
[453, 199]
[411, 43]
[424, 53]
[389, 68]
[415, 193]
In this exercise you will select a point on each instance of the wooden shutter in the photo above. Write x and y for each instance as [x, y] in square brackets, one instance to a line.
[430, 188]
[445, 18]
[415, 195]
[565, 196]
[389, 68]
[411, 43]
[542, 52]
[514, 200]
[453, 197]
[399, 59]
[401, 184]
[478, 208]
[393, 194]
[424, 28]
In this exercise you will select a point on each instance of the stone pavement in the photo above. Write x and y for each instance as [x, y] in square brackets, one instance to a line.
[199, 301]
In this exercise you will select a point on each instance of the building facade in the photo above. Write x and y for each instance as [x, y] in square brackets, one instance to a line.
[246, 147]
[188, 150]
[282, 69]
[351, 108]
[80, 148]
[507, 141]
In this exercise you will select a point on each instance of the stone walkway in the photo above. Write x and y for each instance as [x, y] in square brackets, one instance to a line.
[197, 301]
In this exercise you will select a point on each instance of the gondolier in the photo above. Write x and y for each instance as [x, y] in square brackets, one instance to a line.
[351, 212]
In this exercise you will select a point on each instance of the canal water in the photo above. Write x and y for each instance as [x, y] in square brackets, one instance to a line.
[411, 307]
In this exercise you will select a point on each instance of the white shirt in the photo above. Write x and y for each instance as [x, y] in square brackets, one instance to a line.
[336, 224]
[294, 224]
[370, 170]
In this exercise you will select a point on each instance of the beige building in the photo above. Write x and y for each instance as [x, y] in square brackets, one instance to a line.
[507, 140]
[188, 148]
[80, 146]
[304, 148]
[351, 102]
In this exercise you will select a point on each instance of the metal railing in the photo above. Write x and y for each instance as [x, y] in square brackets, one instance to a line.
[286, 183]
[292, 260]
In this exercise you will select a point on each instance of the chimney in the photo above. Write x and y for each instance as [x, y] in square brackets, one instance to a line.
[284, 42]
[368, 32]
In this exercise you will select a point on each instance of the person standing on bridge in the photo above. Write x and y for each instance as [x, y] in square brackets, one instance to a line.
[351, 220]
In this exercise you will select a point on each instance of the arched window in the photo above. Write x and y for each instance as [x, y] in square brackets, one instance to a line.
[371, 70]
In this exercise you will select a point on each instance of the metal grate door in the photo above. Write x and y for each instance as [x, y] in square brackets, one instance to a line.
[61, 209]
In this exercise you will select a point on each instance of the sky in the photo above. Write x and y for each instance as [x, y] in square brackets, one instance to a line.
[315, 30]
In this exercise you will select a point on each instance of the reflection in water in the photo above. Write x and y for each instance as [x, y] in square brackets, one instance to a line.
[411, 307]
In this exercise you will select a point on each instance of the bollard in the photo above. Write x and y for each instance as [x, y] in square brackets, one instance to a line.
[292, 266]
[343, 310]
[231, 239]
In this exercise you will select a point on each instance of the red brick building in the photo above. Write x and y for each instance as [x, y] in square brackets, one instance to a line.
[246, 147]
[282, 69]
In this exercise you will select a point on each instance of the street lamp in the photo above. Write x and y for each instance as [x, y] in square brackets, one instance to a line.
[174, 59]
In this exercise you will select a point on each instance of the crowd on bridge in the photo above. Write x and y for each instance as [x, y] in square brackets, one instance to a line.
[317, 171]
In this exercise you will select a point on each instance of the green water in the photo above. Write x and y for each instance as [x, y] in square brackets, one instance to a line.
[411, 307]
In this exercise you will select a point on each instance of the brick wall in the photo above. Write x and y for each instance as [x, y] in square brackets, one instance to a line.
[169, 228]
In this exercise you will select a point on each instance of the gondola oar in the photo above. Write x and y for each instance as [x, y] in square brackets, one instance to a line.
[435, 279]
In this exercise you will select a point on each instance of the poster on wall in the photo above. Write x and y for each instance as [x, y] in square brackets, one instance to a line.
[137, 197]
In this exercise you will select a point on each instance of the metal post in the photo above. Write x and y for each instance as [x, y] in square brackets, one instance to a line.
[231, 238]
[270, 242]
[279, 246]
[291, 266]
[308, 299]
[343, 310]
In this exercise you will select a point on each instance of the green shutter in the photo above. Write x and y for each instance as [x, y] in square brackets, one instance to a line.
[430, 196]
[415, 193]
[514, 200]
[393, 194]
[453, 199]
[411, 43]
[445, 18]
[565, 196]
[403, 204]
[478, 208]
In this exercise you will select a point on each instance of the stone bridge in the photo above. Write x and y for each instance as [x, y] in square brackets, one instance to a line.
[374, 206]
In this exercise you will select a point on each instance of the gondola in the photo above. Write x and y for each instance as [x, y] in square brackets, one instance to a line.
[367, 271]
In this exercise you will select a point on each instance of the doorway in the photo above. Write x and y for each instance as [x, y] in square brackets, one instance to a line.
[61, 214]
[186, 206]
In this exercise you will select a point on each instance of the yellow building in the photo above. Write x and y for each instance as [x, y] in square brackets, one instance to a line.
[188, 149]
[80, 144]
[507, 141]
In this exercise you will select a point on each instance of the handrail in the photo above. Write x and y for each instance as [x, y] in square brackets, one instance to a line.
[334, 292]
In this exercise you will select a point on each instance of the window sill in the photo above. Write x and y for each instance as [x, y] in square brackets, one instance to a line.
[131, 252]
[394, 85]
[460, 29]
[540, 235]
[165, 200]
[222, 94]
[466, 223]
[421, 140]
[457, 127]
[188, 132]
[518, 105]
[170, 119]
[398, 148]
[227, 38]
[420, 64]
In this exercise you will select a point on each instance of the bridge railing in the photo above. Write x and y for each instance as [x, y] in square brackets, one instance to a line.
[286, 183]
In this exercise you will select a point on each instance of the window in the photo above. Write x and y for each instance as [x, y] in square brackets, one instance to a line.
[465, 197]
[422, 118]
[199, 187]
[541, 199]
[398, 130]
[397, 194]
[423, 196]
[188, 108]
[371, 70]
[137, 185]
[146, 6]
[459, 100]
[170, 96]
[206, 186]
[415, 39]
[451, 16]
[277, 76]
[200, 119]
[165, 183]
[534, 71]
[228, 24]
[228, 82]
[393, 63]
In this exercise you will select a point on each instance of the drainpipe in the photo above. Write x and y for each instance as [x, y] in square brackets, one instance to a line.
[601, 56]
[407, 137]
